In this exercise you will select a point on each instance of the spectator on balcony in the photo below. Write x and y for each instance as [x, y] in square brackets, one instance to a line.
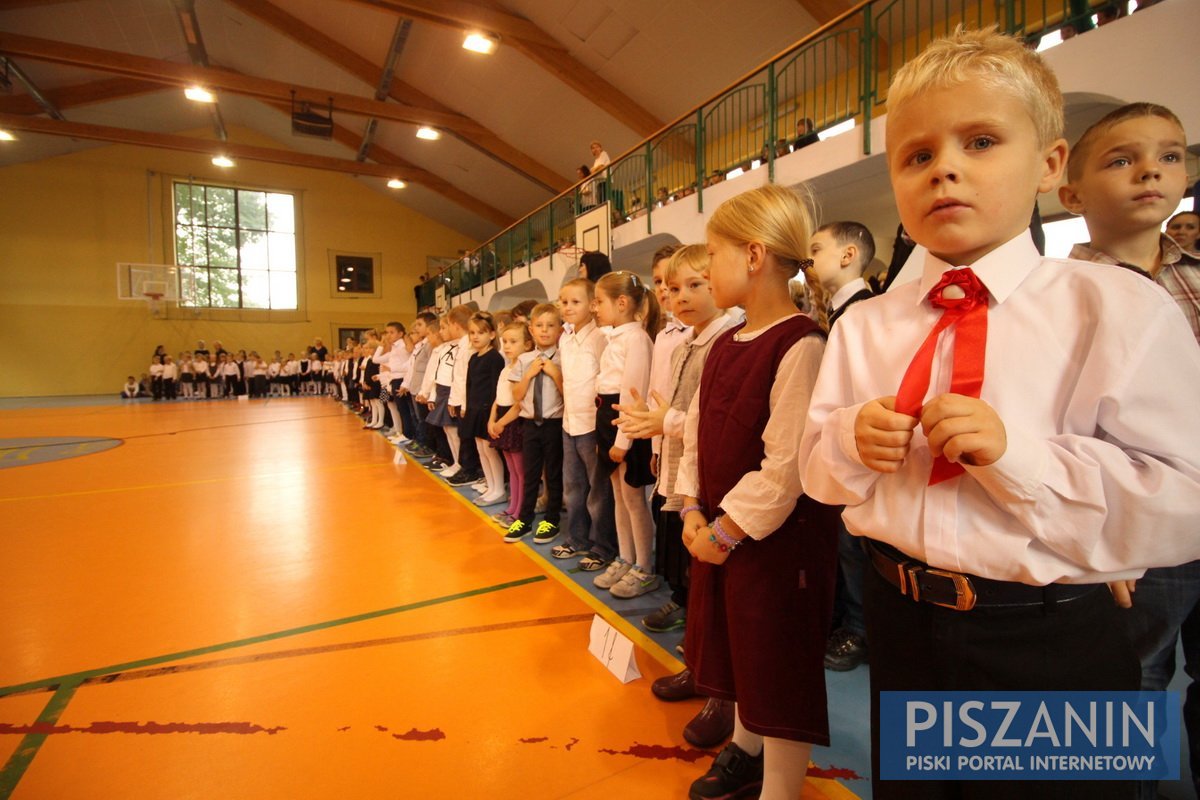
[806, 133]
[600, 170]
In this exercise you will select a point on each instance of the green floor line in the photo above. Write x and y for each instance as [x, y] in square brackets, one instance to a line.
[76, 677]
[22, 757]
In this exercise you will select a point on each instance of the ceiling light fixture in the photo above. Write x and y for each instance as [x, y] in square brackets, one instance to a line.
[396, 183]
[7, 136]
[223, 161]
[428, 133]
[478, 42]
[199, 94]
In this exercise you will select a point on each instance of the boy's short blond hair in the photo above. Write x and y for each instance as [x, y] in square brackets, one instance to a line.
[545, 308]
[992, 60]
[689, 258]
[1079, 152]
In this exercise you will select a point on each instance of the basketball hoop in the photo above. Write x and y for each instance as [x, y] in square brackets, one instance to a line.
[154, 300]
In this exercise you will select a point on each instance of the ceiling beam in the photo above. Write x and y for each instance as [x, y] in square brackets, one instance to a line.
[439, 185]
[118, 88]
[9, 5]
[173, 74]
[540, 47]
[84, 94]
[364, 69]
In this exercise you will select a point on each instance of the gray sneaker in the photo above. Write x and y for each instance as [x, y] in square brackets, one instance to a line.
[635, 583]
[613, 573]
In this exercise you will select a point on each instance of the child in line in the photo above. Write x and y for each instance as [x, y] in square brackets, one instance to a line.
[505, 423]
[156, 378]
[1125, 176]
[538, 391]
[439, 377]
[187, 377]
[466, 468]
[170, 378]
[1032, 477]
[840, 251]
[693, 305]
[622, 299]
[483, 370]
[130, 389]
[764, 554]
[1184, 228]
[414, 379]
[591, 533]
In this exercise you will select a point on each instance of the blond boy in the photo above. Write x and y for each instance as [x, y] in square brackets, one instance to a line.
[1027, 455]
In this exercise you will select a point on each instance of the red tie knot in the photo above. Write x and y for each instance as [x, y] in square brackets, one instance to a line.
[959, 290]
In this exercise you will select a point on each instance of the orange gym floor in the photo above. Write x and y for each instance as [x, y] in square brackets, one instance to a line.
[251, 600]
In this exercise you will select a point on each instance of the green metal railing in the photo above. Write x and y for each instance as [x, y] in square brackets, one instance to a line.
[839, 72]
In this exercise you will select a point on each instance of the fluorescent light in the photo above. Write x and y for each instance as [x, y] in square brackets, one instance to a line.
[7, 136]
[199, 94]
[479, 43]
[223, 161]
[396, 183]
[426, 132]
[834, 130]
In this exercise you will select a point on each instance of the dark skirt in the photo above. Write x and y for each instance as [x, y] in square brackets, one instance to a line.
[187, 377]
[510, 440]
[757, 626]
[637, 460]
[474, 422]
[440, 416]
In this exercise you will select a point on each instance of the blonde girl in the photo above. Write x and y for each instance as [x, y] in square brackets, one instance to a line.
[483, 371]
[504, 422]
[626, 303]
[764, 556]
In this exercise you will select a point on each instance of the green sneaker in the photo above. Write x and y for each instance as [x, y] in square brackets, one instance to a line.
[517, 531]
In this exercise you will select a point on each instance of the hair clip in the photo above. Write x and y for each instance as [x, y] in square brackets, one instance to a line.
[805, 264]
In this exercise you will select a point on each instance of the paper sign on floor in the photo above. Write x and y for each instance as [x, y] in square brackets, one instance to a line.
[614, 650]
[399, 457]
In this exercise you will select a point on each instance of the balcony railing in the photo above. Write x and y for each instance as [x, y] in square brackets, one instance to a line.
[837, 73]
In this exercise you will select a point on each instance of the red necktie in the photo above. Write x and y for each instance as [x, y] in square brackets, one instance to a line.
[968, 313]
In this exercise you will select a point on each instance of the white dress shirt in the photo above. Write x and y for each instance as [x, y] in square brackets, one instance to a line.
[761, 501]
[673, 334]
[581, 351]
[625, 365]
[458, 385]
[1094, 373]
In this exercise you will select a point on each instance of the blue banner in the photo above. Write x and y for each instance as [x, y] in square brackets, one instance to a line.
[1029, 736]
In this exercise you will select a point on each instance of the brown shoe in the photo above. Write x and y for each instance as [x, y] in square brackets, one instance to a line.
[713, 725]
[675, 687]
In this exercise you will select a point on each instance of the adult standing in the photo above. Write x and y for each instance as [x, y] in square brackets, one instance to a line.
[600, 170]
[320, 349]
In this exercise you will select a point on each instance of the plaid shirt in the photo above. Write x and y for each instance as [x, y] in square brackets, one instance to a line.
[1179, 275]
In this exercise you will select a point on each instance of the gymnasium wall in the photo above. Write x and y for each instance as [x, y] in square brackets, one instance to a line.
[65, 223]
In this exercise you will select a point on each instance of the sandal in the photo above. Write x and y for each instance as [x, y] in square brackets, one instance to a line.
[564, 551]
[592, 562]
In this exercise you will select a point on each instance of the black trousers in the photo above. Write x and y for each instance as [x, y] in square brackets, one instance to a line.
[542, 449]
[1072, 646]
[671, 559]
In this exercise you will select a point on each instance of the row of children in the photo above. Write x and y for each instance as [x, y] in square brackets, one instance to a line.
[194, 376]
[1026, 468]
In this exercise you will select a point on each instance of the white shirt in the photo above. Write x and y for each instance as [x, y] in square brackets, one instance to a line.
[843, 295]
[673, 334]
[170, 371]
[156, 370]
[458, 386]
[291, 367]
[504, 387]
[1094, 374]
[200, 368]
[442, 363]
[761, 501]
[625, 365]
[581, 351]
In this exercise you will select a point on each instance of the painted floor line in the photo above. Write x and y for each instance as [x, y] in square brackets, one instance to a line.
[77, 677]
[177, 669]
[609, 615]
[22, 757]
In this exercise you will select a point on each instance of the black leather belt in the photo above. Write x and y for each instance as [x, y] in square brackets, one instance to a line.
[960, 591]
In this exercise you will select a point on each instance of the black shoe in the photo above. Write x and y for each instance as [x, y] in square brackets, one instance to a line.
[546, 533]
[734, 773]
[463, 478]
[672, 688]
[668, 618]
[436, 463]
[713, 725]
[845, 651]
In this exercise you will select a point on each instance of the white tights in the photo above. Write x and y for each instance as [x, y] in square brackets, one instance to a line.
[493, 468]
[635, 526]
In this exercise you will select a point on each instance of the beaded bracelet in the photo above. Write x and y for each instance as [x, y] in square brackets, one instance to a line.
[723, 540]
[683, 512]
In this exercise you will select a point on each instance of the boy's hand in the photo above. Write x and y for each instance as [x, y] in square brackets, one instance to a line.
[1122, 592]
[551, 369]
[654, 464]
[536, 366]
[882, 434]
[964, 429]
[616, 454]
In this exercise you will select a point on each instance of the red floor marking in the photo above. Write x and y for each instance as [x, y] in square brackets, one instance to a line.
[415, 735]
[834, 772]
[572, 743]
[142, 727]
[534, 740]
[662, 752]
[381, 728]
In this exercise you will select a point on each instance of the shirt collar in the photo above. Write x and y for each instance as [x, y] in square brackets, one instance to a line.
[621, 330]
[718, 324]
[1169, 250]
[843, 295]
[1001, 271]
[585, 331]
[672, 325]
